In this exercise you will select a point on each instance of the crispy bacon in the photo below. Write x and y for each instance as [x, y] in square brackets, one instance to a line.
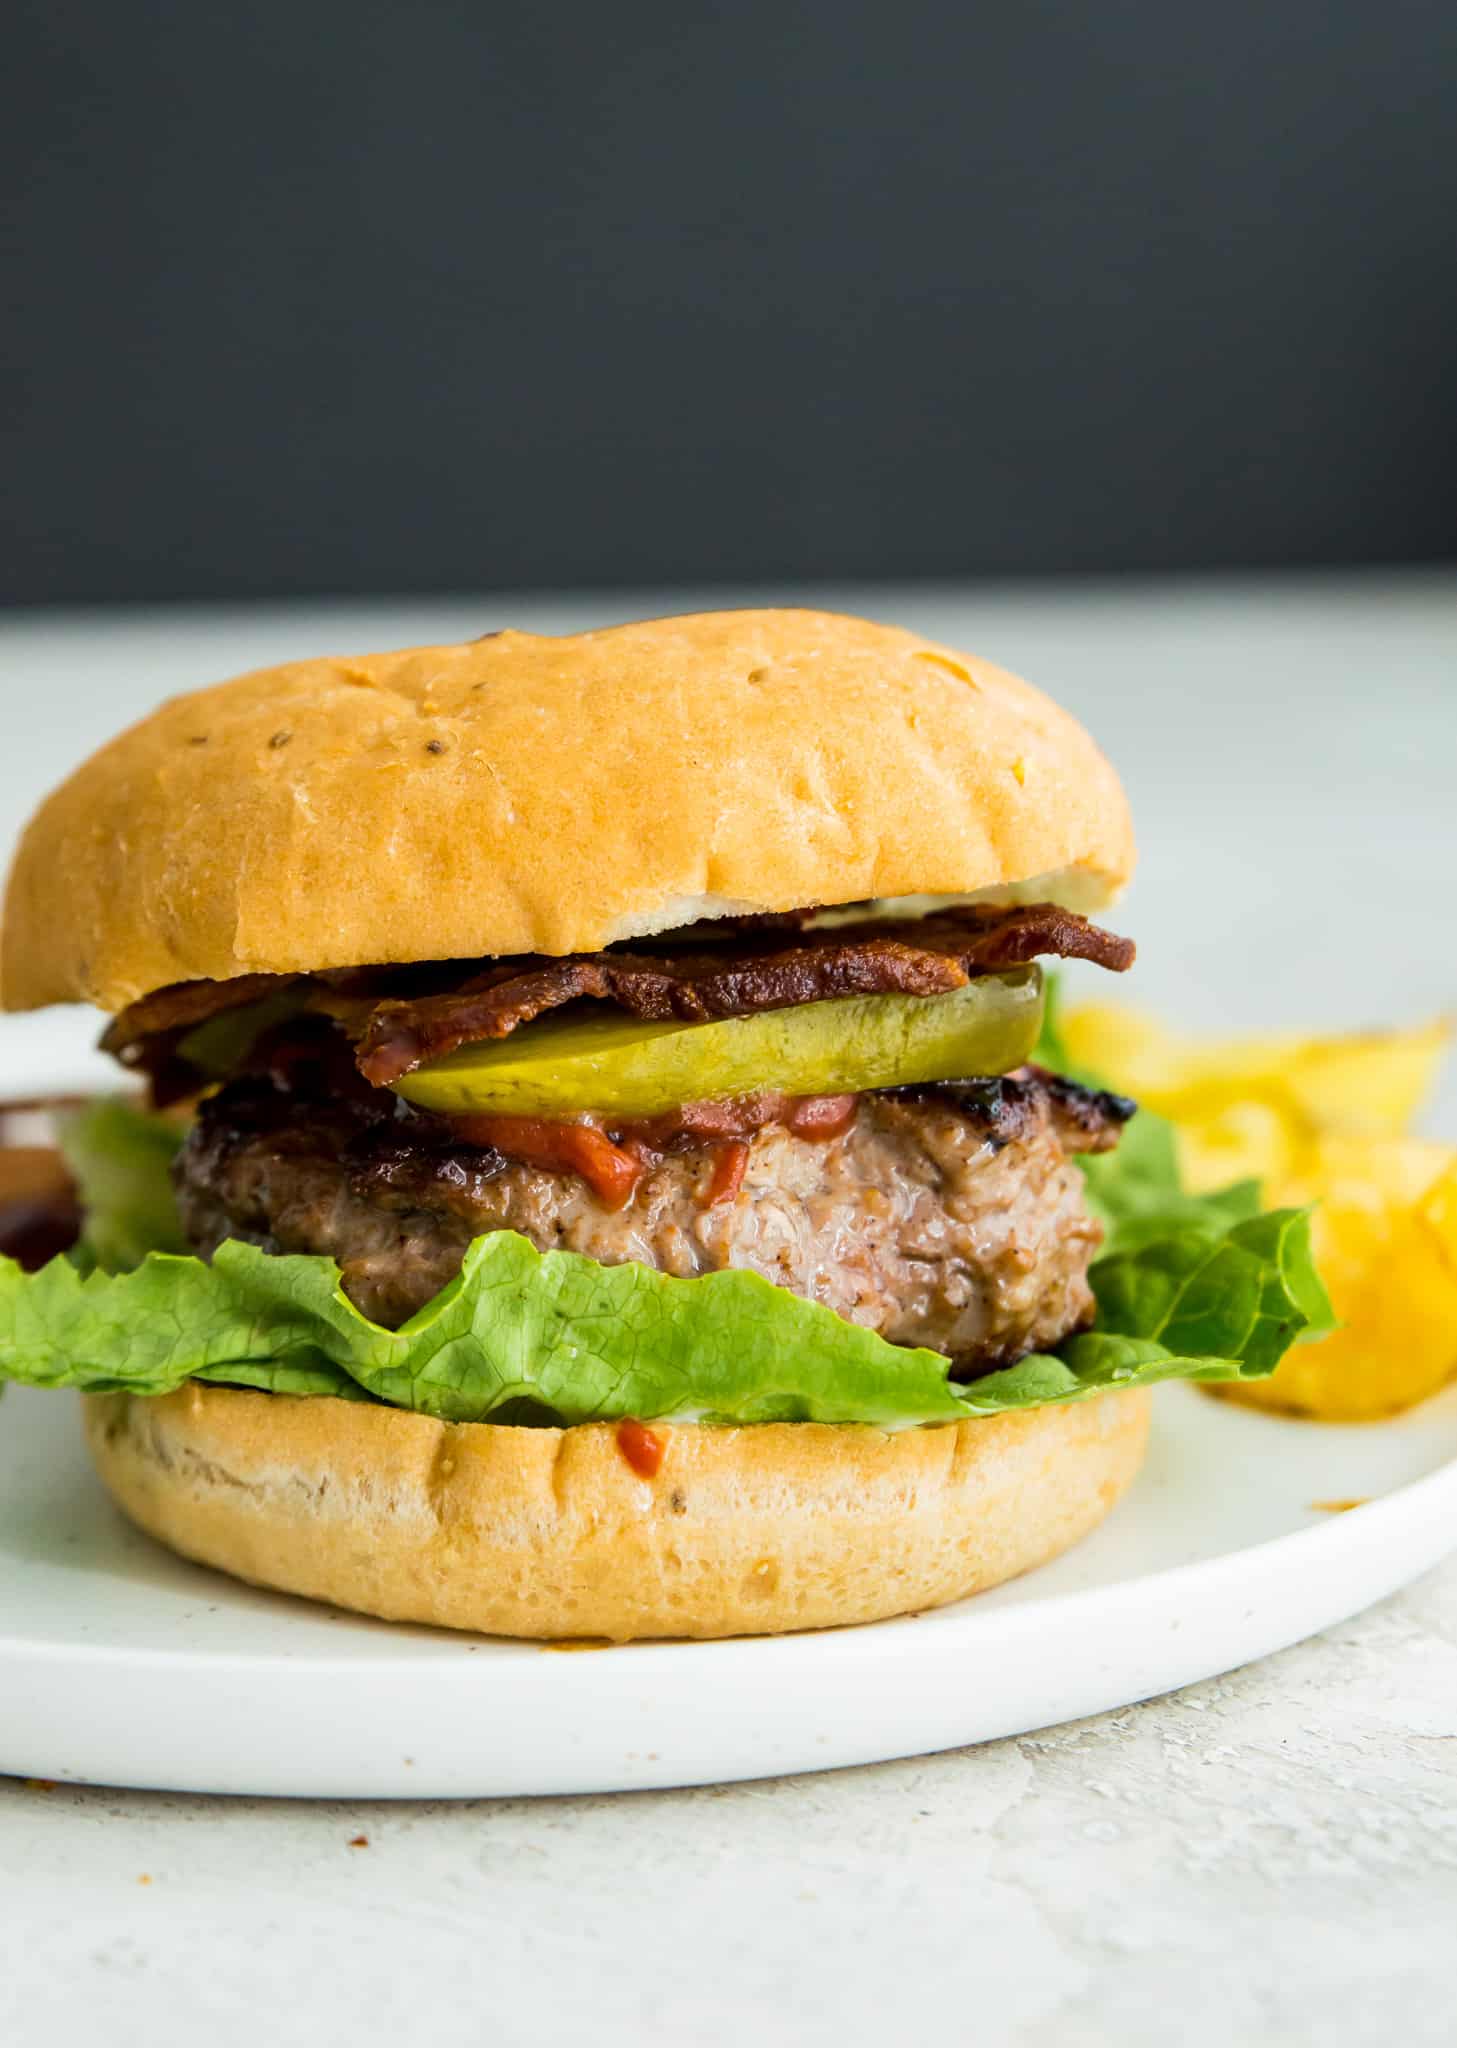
[920, 957]
[184, 1005]
[402, 1016]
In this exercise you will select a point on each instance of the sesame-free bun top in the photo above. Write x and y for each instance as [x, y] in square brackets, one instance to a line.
[529, 794]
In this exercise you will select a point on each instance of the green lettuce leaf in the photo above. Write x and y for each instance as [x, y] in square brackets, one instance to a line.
[1189, 1287]
[521, 1335]
[1138, 1195]
[1136, 1191]
[1051, 1048]
[120, 1158]
[1245, 1292]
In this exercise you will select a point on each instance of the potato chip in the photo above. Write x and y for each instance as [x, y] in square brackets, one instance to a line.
[1368, 1083]
[1248, 1140]
[1320, 1120]
[1390, 1262]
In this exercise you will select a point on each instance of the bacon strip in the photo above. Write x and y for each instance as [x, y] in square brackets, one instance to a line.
[403, 1016]
[183, 1006]
[920, 957]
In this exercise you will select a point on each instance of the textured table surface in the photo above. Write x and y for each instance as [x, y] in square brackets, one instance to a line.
[1270, 1857]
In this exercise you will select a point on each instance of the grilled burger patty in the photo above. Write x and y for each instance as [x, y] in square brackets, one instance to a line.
[948, 1215]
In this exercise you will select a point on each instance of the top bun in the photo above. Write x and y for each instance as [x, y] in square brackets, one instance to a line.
[525, 794]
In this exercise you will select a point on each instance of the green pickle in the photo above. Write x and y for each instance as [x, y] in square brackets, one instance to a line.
[618, 1066]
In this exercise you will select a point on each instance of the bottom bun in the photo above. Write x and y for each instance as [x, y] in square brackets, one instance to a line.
[551, 1533]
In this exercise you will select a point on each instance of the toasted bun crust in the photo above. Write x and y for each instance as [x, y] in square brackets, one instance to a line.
[550, 1533]
[521, 794]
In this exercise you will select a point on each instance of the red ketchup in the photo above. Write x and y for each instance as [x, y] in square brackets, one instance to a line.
[643, 1448]
[730, 1163]
[610, 1171]
[612, 1160]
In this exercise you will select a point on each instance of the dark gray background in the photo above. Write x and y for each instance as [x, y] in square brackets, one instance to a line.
[352, 297]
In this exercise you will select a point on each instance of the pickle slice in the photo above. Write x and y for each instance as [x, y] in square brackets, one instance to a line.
[619, 1066]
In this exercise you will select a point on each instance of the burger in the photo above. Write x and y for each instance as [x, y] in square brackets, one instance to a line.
[606, 1168]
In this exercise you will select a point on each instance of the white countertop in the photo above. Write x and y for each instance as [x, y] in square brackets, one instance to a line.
[1268, 1858]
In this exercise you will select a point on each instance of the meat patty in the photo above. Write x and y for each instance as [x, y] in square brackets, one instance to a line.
[950, 1216]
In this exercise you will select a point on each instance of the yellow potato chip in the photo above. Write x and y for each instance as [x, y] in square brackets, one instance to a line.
[1390, 1262]
[1370, 1083]
[1126, 1046]
[1247, 1140]
[1318, 1120]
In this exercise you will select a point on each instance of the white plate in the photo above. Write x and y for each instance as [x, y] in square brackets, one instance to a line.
[120, 1664]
